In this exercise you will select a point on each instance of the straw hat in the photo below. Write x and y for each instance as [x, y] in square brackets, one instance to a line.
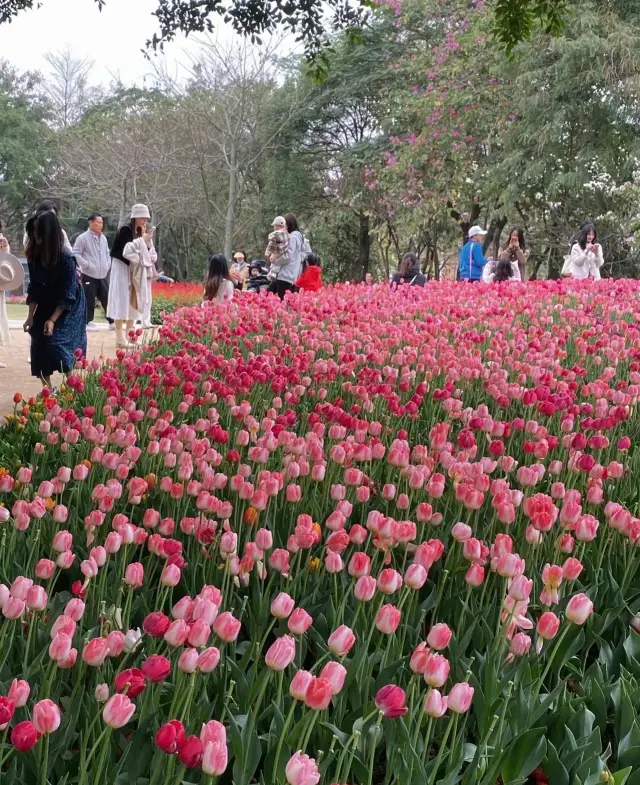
[11, 273]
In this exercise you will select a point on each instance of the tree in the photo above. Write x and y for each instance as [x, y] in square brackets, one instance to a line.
[67, 87]
[25, 152]
[515, 20]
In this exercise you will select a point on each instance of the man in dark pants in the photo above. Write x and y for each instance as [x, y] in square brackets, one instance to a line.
[92, 255]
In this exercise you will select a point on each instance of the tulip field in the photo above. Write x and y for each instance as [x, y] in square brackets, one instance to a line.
[361, 537]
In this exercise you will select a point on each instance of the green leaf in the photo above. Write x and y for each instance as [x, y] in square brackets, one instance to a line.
[620, 777]
[554, 767]
[524, 755]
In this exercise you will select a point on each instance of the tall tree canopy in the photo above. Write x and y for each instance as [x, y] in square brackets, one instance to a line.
[307, 19]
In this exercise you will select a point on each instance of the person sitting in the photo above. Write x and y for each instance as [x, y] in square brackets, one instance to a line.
[310, 280]
[218, 285]
[409, 272]
[239, 270]
[502, 270]
[471, 261]
[258, 280]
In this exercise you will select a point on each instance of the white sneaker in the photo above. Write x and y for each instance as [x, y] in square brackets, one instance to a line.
[92, 327]
[112, 326]
[147, 326]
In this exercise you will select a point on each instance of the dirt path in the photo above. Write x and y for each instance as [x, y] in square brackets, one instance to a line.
[16, 377]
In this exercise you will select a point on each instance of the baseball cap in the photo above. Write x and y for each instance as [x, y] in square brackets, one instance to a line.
[475, 230]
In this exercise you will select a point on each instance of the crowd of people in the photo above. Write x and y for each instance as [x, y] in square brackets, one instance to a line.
[67, 280]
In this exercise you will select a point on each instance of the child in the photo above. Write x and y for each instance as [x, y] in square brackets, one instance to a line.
[257, 277]
[278, 243]
[311, 278]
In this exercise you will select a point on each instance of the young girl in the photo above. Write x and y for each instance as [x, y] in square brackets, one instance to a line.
[218, 286]
[311, 278]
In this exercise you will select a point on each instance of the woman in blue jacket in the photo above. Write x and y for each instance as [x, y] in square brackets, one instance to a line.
[471, 260]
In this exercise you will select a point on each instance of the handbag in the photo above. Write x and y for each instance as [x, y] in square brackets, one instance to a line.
[567, 270]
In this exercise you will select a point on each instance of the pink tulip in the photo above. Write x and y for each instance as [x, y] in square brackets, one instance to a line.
[435, 704]
[36, 598]
[20, 588]
[45, 569]
[548, 626]
[134, 575]
[188, 661]
[118, 710]
[388, 619]
[65, 560]
[96, 652]
[46, 716]
[365, 588]
[436, 670]
[475, 575]
[227, 627]
[302, 770]
[572, 569]
[299, 621]
[62, 541]
[13, 608]
[19, 693]
[281, 653]
[586, 528]
[199, 633]
[215, 758]
[579, 608]
[64, 624]
[170, 575]
[389, 581]
[415, 577]
[60, 647]
[282, 606]
[101, 693]
[439, 637]
[208, 660]
[418, 661]
[60, 513]
[300, 684]
[177, 633]
[115, 643]
[341, 641]
[459, 698]
[335, 674]
[74, 610]
[359, 565]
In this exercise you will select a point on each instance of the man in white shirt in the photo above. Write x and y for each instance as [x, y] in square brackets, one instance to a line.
[94, 260]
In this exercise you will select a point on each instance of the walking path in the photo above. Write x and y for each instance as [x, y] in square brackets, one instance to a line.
[16, 377]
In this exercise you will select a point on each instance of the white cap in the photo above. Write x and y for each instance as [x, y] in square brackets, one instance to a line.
[279, 221]
[477, 230]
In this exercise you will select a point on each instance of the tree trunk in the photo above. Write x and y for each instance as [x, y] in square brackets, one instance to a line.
[123, 204]
[493, 236]
[364, 245]
[230, 219]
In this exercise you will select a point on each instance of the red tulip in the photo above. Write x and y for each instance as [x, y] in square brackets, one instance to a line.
[156, 668]
[170, 736]
[190, 752]
[24, 736]
[131, 682]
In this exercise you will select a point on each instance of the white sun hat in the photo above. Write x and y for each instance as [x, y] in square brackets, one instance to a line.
[11, 273]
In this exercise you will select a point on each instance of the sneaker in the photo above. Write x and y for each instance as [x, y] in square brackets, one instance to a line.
[147, 326]
[92, 327]
[112, 326]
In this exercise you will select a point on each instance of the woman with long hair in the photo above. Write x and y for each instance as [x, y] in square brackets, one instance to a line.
[132, 259]
[218, 285]
[586, 257]
[516, 252]
[57, 306]
[409, 272]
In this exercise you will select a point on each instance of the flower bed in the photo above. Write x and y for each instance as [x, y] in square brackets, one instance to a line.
[168, 297]
[361, 537]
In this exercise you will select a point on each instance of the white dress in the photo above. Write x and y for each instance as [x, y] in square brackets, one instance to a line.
[119, 306]
[5, 335]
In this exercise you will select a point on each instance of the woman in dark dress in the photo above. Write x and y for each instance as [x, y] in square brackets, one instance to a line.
[57, 306]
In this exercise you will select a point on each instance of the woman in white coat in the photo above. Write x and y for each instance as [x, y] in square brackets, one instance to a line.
[586, 257]
[132, 260]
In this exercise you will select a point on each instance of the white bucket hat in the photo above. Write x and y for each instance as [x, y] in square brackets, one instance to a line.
[140, 211]
[11, 273]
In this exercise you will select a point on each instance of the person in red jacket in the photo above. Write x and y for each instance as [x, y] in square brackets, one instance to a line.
[311, 278]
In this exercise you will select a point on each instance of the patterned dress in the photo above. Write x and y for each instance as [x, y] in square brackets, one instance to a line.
[50, 288]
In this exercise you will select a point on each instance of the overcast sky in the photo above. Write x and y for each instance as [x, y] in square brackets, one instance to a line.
[112, 38]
